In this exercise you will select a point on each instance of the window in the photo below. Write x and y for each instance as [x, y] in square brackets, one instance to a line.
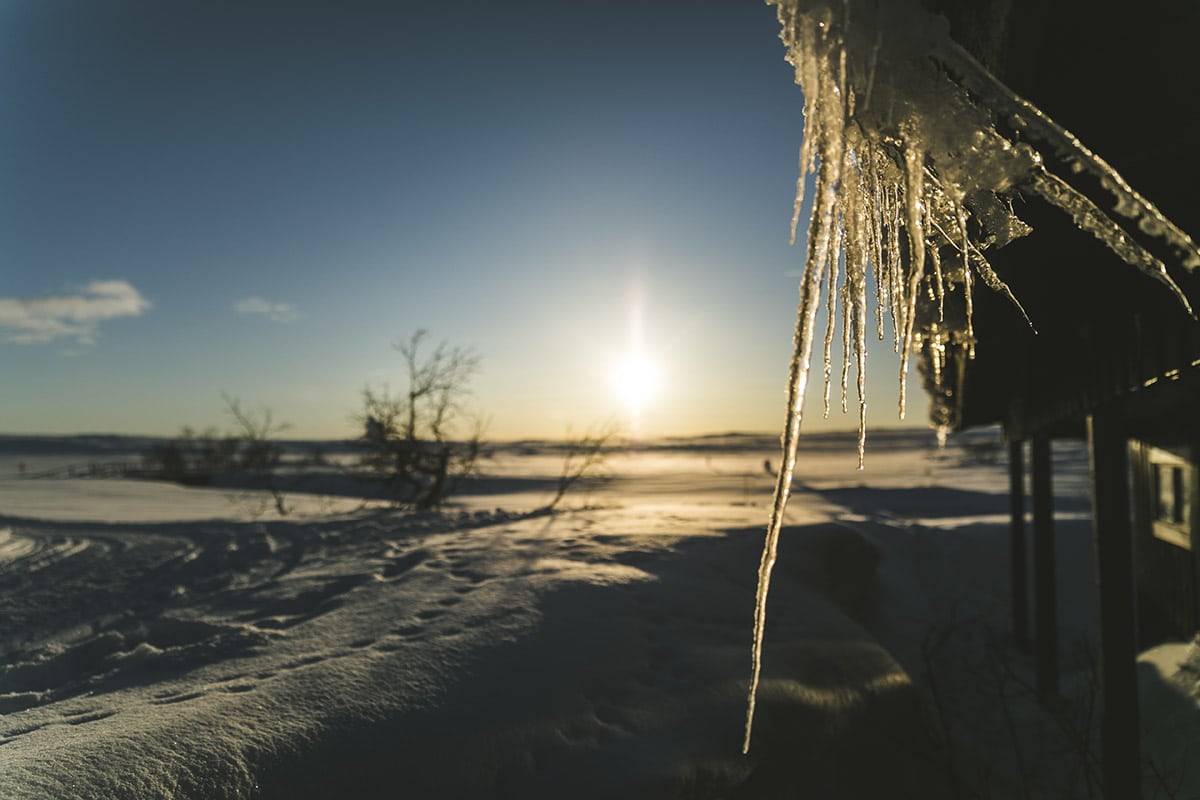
[1173, 495]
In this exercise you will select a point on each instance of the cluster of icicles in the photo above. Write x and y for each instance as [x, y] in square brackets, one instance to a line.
[911, 184]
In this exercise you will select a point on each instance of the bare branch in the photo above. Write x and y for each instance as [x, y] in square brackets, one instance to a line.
[584, 455]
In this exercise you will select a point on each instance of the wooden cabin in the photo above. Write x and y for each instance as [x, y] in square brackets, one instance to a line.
[1116, 354]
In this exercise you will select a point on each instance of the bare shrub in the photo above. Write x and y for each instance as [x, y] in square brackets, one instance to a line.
[197, 458]
[421, 441]
[258, 452]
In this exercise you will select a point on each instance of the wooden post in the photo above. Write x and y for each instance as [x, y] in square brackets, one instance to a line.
[1194, 531]
[1045, 593]
[1120, 756]
[1019, 575]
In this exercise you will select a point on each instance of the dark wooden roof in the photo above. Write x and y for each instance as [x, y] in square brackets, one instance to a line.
[1125, 81]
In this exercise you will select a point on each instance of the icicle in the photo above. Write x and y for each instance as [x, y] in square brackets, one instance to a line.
[860, 351]
[968, 291]
[891, 227]
[935, 259]
[914, 190]
[857, 245]
[974, 255]
[837, 116]
[875, 217]
[937, 350]
[993, 282]
[820, 235]
[855, 313]
[847, 303]
[799, 201]
[831, 318]
[1092, 220]
[895, 268]
[807, 75]
[984, 268]
[797, 383]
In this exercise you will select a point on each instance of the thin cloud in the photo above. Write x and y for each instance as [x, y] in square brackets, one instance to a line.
[73, 316]
[256, 306]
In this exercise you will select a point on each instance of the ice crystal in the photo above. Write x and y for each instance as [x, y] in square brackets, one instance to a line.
[915, 150]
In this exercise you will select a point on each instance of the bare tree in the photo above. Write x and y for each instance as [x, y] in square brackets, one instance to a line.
[410, 437]
[583, 456]
[259, 452]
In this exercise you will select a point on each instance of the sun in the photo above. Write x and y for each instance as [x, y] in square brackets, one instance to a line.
[635, 380]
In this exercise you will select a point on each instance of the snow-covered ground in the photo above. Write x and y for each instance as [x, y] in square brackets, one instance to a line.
[159, 641]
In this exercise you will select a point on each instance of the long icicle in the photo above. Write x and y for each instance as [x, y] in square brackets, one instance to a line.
[914, 170]
[847, 304]
[831, 315]
[895, 269]
[854, 293]
[875, 220]
[820, 239]
[1088, 217]
[807, 72]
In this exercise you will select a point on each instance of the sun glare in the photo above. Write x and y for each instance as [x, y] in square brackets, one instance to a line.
[635, 380]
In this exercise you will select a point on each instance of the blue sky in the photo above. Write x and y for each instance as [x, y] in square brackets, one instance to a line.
[260, 197]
